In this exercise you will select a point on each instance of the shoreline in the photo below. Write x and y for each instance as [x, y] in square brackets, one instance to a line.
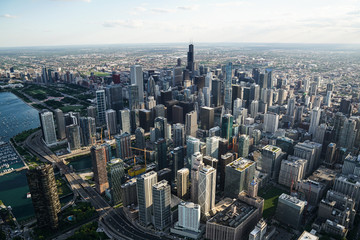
[27, 103]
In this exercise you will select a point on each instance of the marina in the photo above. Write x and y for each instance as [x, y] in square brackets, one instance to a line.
[9, 159]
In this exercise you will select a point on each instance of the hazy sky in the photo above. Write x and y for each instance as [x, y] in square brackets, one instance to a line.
[68, 22]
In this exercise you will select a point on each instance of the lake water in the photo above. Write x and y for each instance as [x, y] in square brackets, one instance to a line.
[16, 117]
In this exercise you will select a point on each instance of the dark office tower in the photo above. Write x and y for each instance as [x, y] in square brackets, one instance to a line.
[133, 97]
[178, 61]
[161, 193]
[87, 130]
[73, 136]
[210, 161]
[161, 151]
[111, 122]
[243, 148]
[115, 171]
[114, 97]
[299, 113]
[44, 75]
[134, 120]
[190, 58]
[223, 161]
[228, 88]
[330, 155]
[226, 127]
[165, 96]
[44, 195]
[254, 92]
[199, 81]
[223, 147]
[151, 86]
[98, 158]
[338, 124]
[345, 107]
[91, 111]
[160, 123]
[256, 75]
[263, 81]
[237, 92]
[216, 93]
[178, 155]
[206, 117]
[186, 74]
[177, 76]
[140, 138]
[50, 78]
[60, 123]
[270, 81]
[164, 174]
[101, 106]
[145, 119]
[178, 135]
[177, 114]
[123, 144]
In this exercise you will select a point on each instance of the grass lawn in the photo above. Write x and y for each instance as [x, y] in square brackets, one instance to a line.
[98, 74]
[66, 109]
[271, 196]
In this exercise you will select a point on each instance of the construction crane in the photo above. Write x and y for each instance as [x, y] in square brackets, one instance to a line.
[101, 135]
[143, 150]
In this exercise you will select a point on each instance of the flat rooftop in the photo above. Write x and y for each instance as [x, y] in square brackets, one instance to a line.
[308, 236]
[272, 148]
[241, 164]
[234, 214]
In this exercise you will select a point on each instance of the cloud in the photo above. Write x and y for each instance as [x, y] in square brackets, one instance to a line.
[8, 16]
[140, 9]
[188, 8]
[124, 23]
[228, 4]
[162, 10]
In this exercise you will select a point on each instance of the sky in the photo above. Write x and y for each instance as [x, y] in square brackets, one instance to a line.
[83, 22]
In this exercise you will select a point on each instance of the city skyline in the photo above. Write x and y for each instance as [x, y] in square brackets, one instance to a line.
[92, 22]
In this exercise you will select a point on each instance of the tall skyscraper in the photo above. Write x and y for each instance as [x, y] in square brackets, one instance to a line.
[101, 106]
[207, 118]
[98, 158]
[243, 148]
[228, 88]
[189, 216]
[348, 134]
[161, 204]
[140, 138]
[177, 76]
[115, 170]
[270, 162]
[137, 78]
[111, 122]
[182, 183]
[73, 136]
[160, 125]
[161, 153]
[60, 123]
[47, 127]
[179, 135]
[190, 58]
[226, 126]
[191, 125]
[315, 119]
[193, 146]
[206, 189]
[145, 196]
[91, 112]
[114, 97]
[44, 195]
[87, 130]
[125, 120]
[123, 144]
[238, 174]
[212, 146]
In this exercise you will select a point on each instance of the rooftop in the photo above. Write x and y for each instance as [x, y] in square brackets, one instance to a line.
[241, 164]
[272, 148]
[291, 199]
[308, 236]
[160, 185]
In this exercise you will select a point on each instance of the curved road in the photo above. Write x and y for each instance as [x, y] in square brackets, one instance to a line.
[112, 220]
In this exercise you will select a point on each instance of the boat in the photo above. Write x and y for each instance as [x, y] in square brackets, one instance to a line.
[28, 195]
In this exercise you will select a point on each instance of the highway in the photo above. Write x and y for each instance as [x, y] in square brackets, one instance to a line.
[112, 220]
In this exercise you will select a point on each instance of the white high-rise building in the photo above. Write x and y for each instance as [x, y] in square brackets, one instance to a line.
[207, 96]
[189, 216]
[208, 80]
[137, 78]
[197, 165]
[212, 146]
[111, 122]
[254, 108]
[145, 198]
[125, 121]
[271, 122]
[328, 98]
[151, 103]
[315, 119]
[191, 125]
[48, 127]
[207, 189]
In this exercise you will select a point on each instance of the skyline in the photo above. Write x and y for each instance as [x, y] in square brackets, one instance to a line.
[94, 22]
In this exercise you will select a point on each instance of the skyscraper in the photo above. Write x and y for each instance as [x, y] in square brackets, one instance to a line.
[228, 88]
[193, 146]
[137, 78]
[177, 76]
[87, 130]
[191, 125]
[271, 122]
[145, 197]
[348, 134]
[190, 58]
[182, 183]
[315, 119]
[44, 195]
[226, 126]
[212, 146]
[123, 144]
[114, 97]
[206, 189]
[179, 135]
[101, 106]
[60, 123]
[111, 122]
[125, 120]
[140, 138]
[73, 136]
[98, 158]
[161, 153]
[207, 117]
[270, 162]
[161, 204]
[244, 143]
[238, 174]
[115, 170]
[160, 125]
[47, 127]
[134, 102]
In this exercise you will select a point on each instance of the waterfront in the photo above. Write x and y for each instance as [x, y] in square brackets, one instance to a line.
[16, 117]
